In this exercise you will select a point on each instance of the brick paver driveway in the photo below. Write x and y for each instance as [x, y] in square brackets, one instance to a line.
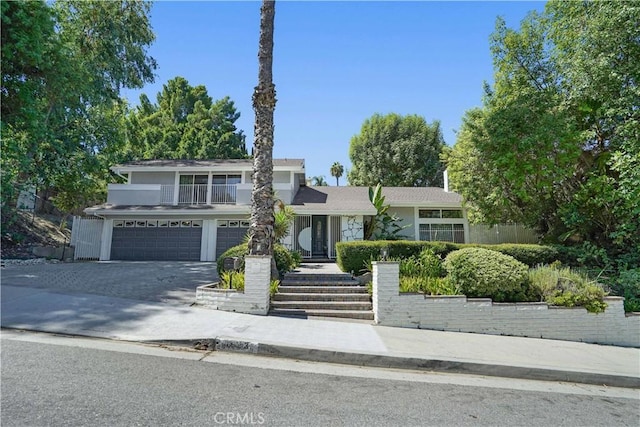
[166, 281]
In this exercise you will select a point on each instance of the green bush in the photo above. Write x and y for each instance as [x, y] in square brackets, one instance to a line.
[232, 280]
[428, 285]
[236, 251]
[563, 287]
[273, 287]
[431, 263]
[528, 254]
[285, 261]
[627, 284]
[354, 256]
[482, 273]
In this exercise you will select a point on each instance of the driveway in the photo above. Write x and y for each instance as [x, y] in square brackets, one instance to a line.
[159, 281]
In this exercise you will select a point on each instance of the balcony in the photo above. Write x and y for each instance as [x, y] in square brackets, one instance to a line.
[198, 194]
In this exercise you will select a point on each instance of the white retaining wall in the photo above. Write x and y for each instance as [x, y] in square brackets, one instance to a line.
[460, 314]
[254, 299]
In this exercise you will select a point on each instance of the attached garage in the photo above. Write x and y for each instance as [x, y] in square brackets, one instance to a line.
[230, 233]
[156, 240]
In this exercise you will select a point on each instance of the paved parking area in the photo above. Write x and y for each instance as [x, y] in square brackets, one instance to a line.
[160, 281]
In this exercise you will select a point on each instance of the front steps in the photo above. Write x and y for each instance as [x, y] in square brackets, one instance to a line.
[322, 295]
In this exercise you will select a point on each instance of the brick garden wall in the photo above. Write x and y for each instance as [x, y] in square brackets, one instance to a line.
[462, 314]
[254, 299]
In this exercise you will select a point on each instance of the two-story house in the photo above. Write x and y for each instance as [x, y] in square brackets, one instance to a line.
[196, 209]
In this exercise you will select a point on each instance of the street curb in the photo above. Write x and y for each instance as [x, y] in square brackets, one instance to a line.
[414, 363]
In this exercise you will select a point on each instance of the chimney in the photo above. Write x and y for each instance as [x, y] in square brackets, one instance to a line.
[446, 180]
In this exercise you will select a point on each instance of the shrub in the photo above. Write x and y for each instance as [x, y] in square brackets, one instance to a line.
[428, 285]
[563, 287]
[489, 274]
[440, 286]
[236, 251]
[232, 280]
[627, 284]
[528, 254]
[431, 263]
[285, 261]
[353, 256]
[273, 287]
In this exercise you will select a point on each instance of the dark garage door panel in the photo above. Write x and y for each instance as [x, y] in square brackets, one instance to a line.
[156, 244]
[228, 237]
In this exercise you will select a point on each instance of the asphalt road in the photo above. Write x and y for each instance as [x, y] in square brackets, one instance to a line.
[49, 380]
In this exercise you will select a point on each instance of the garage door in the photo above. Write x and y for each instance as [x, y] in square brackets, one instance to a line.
[230, 233]
[156, 240]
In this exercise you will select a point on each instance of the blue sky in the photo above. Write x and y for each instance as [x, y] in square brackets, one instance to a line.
[335, 64]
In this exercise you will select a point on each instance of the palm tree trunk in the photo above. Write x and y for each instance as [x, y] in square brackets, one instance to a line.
[264, 102]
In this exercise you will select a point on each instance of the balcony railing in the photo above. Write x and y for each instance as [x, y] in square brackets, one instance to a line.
[199, 194]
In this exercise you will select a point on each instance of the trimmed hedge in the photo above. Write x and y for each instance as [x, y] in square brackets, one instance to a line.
[531, 255]
[482, 273]
[284, 260]
[353, 256]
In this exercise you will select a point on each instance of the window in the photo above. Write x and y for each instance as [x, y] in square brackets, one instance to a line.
[429, 213]
[193, 189]
[193, 179]
[440, 213]
[451, 213]
[442, 232]
[223, 188]
[225, 179]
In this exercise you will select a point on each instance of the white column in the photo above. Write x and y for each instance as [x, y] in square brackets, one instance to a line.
[257, 278]
[176, 188]
[105, 242]
[209, 184]
[386, 290]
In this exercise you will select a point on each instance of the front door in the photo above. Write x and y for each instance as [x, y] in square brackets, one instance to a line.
[319, 236]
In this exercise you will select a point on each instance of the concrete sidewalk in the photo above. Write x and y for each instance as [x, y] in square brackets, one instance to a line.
[318, 340]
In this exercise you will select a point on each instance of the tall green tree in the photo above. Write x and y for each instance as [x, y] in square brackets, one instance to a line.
[398, 151]
[261, 230]
[336, 171]
[64, 64]
[185, 123]
[555, 144]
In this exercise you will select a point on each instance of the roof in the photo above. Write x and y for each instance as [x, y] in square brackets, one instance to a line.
[205, 164]
[355, 200]
[108, 209]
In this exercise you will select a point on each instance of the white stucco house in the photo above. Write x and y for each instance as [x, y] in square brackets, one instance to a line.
[196, 209]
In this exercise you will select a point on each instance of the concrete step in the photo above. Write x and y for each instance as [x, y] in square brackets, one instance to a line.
[353, 297]
[344, 314]
[285, 288]
[321, 305]
[320, 282]
[315, 277]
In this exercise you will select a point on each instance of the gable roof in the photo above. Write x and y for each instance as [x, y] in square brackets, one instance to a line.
[355, 200]
[190, 164]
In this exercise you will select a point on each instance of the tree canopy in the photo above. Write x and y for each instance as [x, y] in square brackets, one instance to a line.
[556, 144]
[395, 150]
[63, 66]
[185, 123]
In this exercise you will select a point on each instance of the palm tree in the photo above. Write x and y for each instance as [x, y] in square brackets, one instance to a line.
[319, 181]
[261, 231]
[337, 170]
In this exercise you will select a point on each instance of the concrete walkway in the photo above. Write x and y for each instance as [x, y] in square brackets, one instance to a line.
[89, 314]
